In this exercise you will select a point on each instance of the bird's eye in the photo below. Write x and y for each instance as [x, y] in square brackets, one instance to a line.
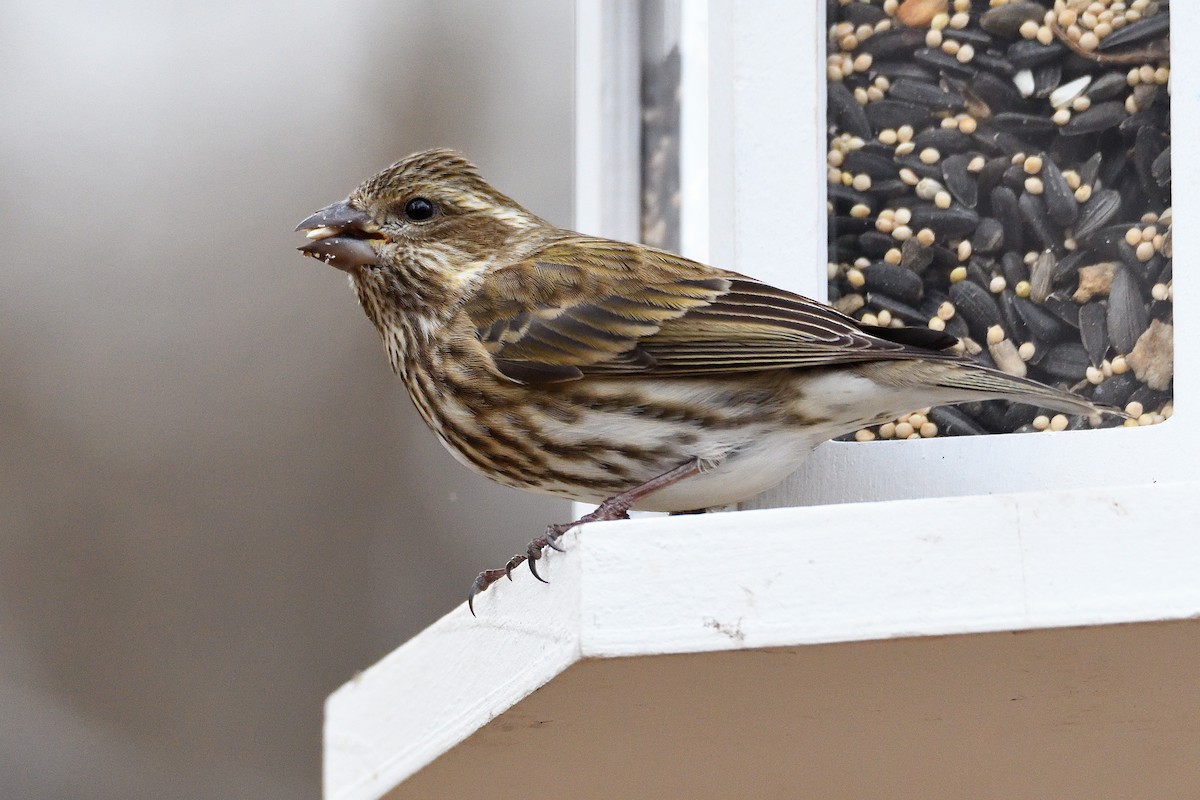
[418, 209]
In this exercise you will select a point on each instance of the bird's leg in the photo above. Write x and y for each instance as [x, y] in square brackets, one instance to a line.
[615, 507]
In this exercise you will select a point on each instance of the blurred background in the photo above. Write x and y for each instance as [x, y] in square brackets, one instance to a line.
[216, 503]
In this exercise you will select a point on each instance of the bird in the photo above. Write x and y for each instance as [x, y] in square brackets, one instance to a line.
[610, 372]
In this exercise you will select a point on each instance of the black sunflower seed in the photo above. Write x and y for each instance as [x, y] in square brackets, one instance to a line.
[903, 69]
[952, 222]
[915, 256]
[1006, 209]
[976, 307]
[1116, 391]
[1127, 315]
[1018, 415]
[996, 94]
[1161, 168]
[1044, 327]
[1099, 117]
[884, 114]
[1033, 211]
[862, 14]
[1066, 360]
[875, 244]
[1066, 272]
[896, 282]
[904, 311]
[926, 94]
[1060, 199]
[988, 236]
[1014, 325]
[1064, 308]
[946, 141]
[1093, 330]
[952, 422]
[992, 63]
[887, 189]
[1046, 79]
[1107, 86]
[1029, 53]
[1041, 276]
[1006, 21]
[1140, 31]
[846, 111]
[1014, 267]
[943, 63]
[870, 163]
[1097, 212]
[898, 41]
[1023, 124]
[1149, 398]
[958, 181]
[1090, 170]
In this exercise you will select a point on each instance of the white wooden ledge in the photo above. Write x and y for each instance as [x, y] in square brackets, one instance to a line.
[637, 694]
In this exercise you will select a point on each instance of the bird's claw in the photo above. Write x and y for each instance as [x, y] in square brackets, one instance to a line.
[554, 533]
[482, 581]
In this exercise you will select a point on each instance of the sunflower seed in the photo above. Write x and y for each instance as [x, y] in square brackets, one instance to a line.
[1044, 327]
[896, 308]
[976, 307]
[1099, 117]
[960, 183]
[1023, 124]
[926, 94]
[1093, 330]
[1127, 315]
[1065, 94]
[884, 114]
[953, 422]
[943, 63]
[1041, 276]
[1046, 79]
[1006, 209]
[1161, 168]
[1107, 86]
[1029, 53]
[897, 41]
[1066, 360]
[1097, 212]
[1116, 391]
[1006, 20]
[988, 236]
[1140, 31]
[951, 222]
[846, 111]
[896, 282]
[1033, 211]
[1060, 200]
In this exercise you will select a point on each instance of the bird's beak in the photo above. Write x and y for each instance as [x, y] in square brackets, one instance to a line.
[341, 236]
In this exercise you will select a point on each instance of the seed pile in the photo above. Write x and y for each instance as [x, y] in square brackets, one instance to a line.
[1002, 171]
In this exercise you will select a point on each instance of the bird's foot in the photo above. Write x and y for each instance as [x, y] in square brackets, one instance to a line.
[611, 509]
[616, 507]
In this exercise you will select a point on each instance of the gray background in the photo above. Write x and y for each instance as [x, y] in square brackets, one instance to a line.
[216, 503]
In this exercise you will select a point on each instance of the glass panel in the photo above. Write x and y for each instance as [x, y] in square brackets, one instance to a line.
[660, 27]
[1002, 171]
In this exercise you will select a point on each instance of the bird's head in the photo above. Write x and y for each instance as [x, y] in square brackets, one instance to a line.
[428, 217]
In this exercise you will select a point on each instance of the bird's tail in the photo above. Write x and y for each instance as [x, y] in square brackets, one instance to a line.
[967, 381]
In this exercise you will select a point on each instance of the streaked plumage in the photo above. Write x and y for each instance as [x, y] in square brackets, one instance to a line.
[583, 367]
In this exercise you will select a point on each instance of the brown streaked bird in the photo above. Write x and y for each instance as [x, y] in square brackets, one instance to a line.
[609, 372]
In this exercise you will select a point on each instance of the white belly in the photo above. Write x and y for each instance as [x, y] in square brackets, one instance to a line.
[747, 472]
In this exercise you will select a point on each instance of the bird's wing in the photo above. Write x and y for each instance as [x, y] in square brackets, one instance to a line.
[585, 306]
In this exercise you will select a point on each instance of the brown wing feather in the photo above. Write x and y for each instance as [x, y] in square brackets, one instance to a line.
[592, 306]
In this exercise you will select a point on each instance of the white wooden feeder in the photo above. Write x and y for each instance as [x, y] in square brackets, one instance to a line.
[1004, 616]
